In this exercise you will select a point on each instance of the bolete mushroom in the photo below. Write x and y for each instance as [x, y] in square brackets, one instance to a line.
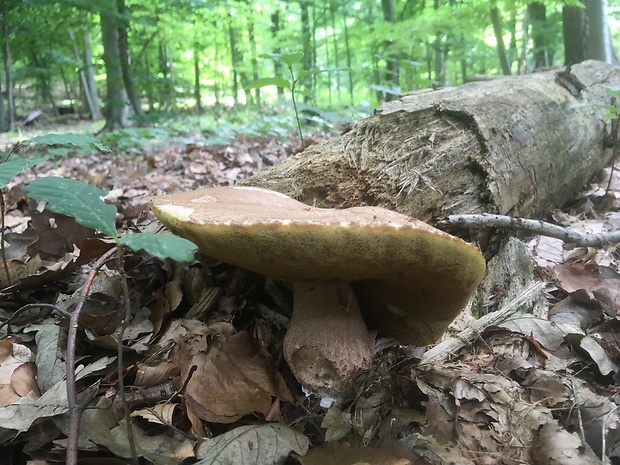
[409, 278]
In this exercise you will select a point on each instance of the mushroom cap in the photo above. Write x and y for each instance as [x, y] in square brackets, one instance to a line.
[409, 266]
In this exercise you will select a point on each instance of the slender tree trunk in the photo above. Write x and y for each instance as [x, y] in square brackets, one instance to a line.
[537, 16]
[501, 48]
[253, 51]
[391, 77]
[115, 101]
[3, 125]
[347, 46]
[7, 73]
[90, 74]
[306, 41]
[439, 75]
[328, 62]
[575, 30]
[82, 74]
[277, 66]
[599, 40]
[197, 93]
[333, 7]
[123, 49]
[234, 59]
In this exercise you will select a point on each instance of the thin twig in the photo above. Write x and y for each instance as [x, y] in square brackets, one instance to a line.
[75, 409]
[21, 310]
[487, 220]
[442, 351]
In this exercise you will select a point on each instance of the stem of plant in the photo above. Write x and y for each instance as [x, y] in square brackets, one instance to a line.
[75, 409]
[294, 82]
[121, 332]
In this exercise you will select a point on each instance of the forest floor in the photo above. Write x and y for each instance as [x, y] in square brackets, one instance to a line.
[203, 370]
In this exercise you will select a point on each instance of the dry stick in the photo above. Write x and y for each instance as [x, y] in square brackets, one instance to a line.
[26, 307]
[4, 262]
[75, 409]
[442, 351]
[121, 378]
[487, 220]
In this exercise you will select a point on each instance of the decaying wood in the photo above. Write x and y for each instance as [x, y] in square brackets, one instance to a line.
[516, 146]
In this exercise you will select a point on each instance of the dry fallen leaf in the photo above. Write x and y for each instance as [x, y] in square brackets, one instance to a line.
[233, 377]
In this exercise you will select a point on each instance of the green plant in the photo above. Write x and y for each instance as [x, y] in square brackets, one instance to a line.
[84, 202]
[289, 59]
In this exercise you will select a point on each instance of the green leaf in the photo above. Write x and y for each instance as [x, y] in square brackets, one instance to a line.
[278, 81]
[161, 245]
[311, 72]
[290, 58]
[10, 169]
[615, 91]
[78, 140]
[76, 199]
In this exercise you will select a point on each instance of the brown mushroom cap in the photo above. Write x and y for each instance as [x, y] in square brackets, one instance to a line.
[410, 279]
[271, 234]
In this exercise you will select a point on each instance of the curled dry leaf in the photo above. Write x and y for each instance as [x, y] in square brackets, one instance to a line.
[233, 377]
[17, 372]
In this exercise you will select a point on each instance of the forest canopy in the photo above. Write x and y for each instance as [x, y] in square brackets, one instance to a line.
[170, 56]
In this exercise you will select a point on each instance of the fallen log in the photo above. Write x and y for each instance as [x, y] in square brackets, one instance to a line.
[516, 145]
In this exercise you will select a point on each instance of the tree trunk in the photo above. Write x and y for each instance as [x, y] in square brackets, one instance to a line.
[600, 46]
[82, 74]
[575, 32]
[234, 59]
[537, 16]
[123, 53]
[115, 101]
[391, 77]
[480, 147]
[90, 75]
[197, 92]
[499, 38]
[277, 66]
[10, 110]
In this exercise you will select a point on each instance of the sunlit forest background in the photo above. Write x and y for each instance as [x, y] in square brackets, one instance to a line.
[111, 60]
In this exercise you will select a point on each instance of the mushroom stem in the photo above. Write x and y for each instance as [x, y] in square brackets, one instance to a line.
[327, 341]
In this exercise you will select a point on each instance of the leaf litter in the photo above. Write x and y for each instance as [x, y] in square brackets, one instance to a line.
[203, 367]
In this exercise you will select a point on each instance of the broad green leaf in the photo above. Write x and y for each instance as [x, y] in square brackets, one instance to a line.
[290, 58]
[10, 169]
[278, 81]
[76, 199]
[78, 140]
[161, 245]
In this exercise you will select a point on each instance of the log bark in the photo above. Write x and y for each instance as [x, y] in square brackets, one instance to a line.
[518, 146]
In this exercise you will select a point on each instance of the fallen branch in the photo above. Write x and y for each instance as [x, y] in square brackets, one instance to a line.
[444, 350]
[486, 220]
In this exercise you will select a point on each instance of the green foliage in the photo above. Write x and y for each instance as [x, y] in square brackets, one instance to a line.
[11, 168]
[84, 202]
[76, 199]
[76, 140]
[161, 246]
[290, 59]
